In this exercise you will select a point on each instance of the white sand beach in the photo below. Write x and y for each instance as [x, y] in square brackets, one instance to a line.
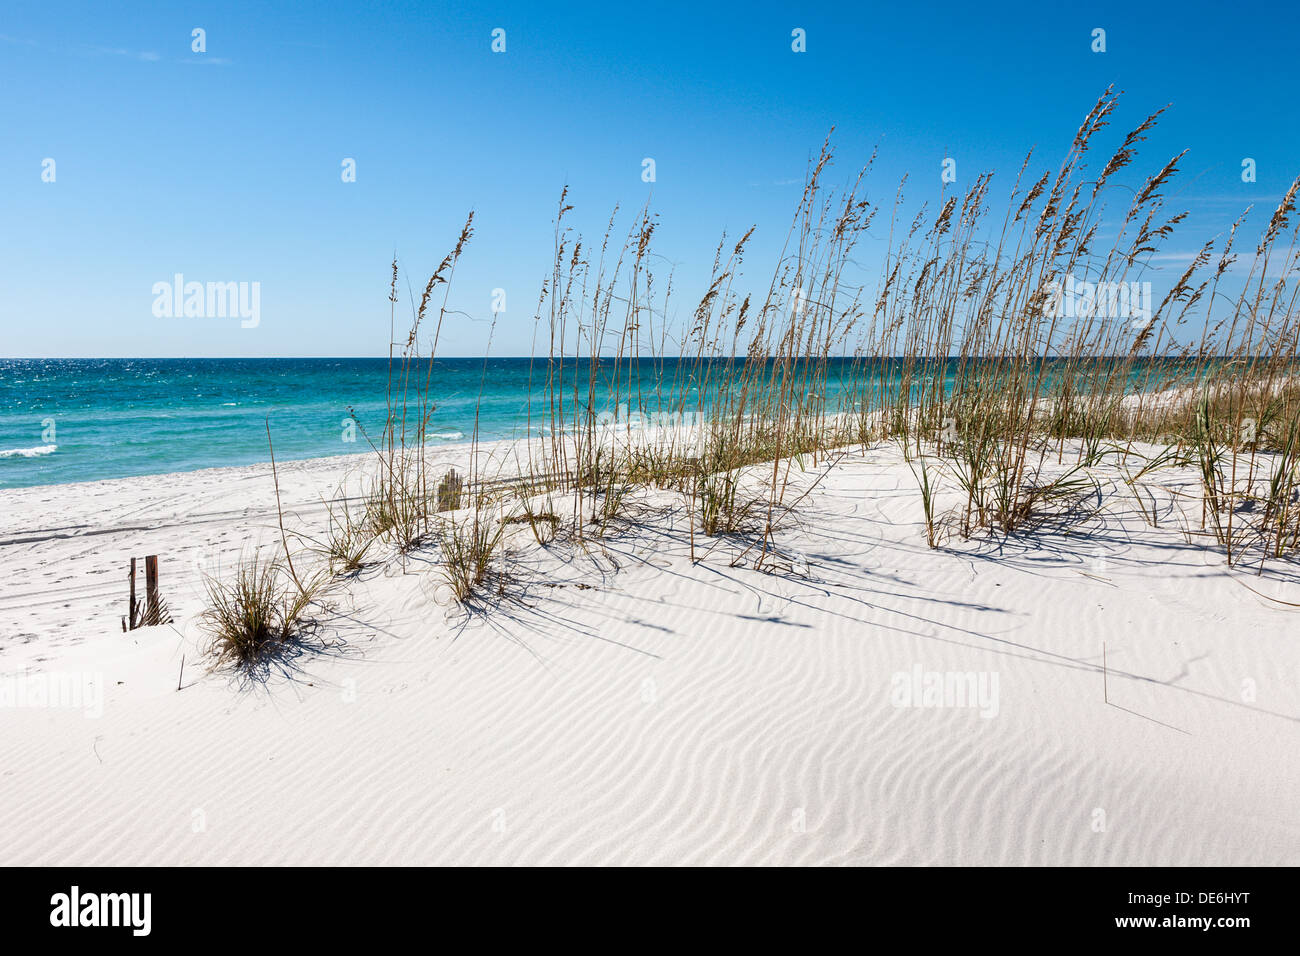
[621, 705]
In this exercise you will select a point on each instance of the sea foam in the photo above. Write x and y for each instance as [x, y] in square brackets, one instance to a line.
[28, 452]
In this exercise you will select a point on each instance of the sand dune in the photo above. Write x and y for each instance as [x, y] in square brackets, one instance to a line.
[627, 706]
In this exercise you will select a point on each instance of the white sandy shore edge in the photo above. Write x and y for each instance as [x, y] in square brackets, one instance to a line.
[630, 707]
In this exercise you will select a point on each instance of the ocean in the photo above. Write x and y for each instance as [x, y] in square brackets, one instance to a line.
[65, 420]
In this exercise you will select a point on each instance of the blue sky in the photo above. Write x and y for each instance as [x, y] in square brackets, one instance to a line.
[225, 165]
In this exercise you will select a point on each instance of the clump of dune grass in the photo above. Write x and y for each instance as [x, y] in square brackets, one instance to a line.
[720, 506]
[469, 548]
[396, 507]
[349, 538]
[406, 495]
[260, 615]
[929, 489]
[743, 383]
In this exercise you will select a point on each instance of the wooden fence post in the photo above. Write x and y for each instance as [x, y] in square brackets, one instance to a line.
[131, 612]
[152, 607]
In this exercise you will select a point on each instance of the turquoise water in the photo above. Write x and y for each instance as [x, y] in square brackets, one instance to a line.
[64, 420]
[85, 419]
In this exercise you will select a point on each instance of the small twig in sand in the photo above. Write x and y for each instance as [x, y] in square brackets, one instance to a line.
[1105, 691]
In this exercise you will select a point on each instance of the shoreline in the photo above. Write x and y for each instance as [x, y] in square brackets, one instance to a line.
[359, 455]
[31, 448]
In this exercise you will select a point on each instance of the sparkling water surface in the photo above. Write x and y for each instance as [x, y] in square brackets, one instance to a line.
[65, 420]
